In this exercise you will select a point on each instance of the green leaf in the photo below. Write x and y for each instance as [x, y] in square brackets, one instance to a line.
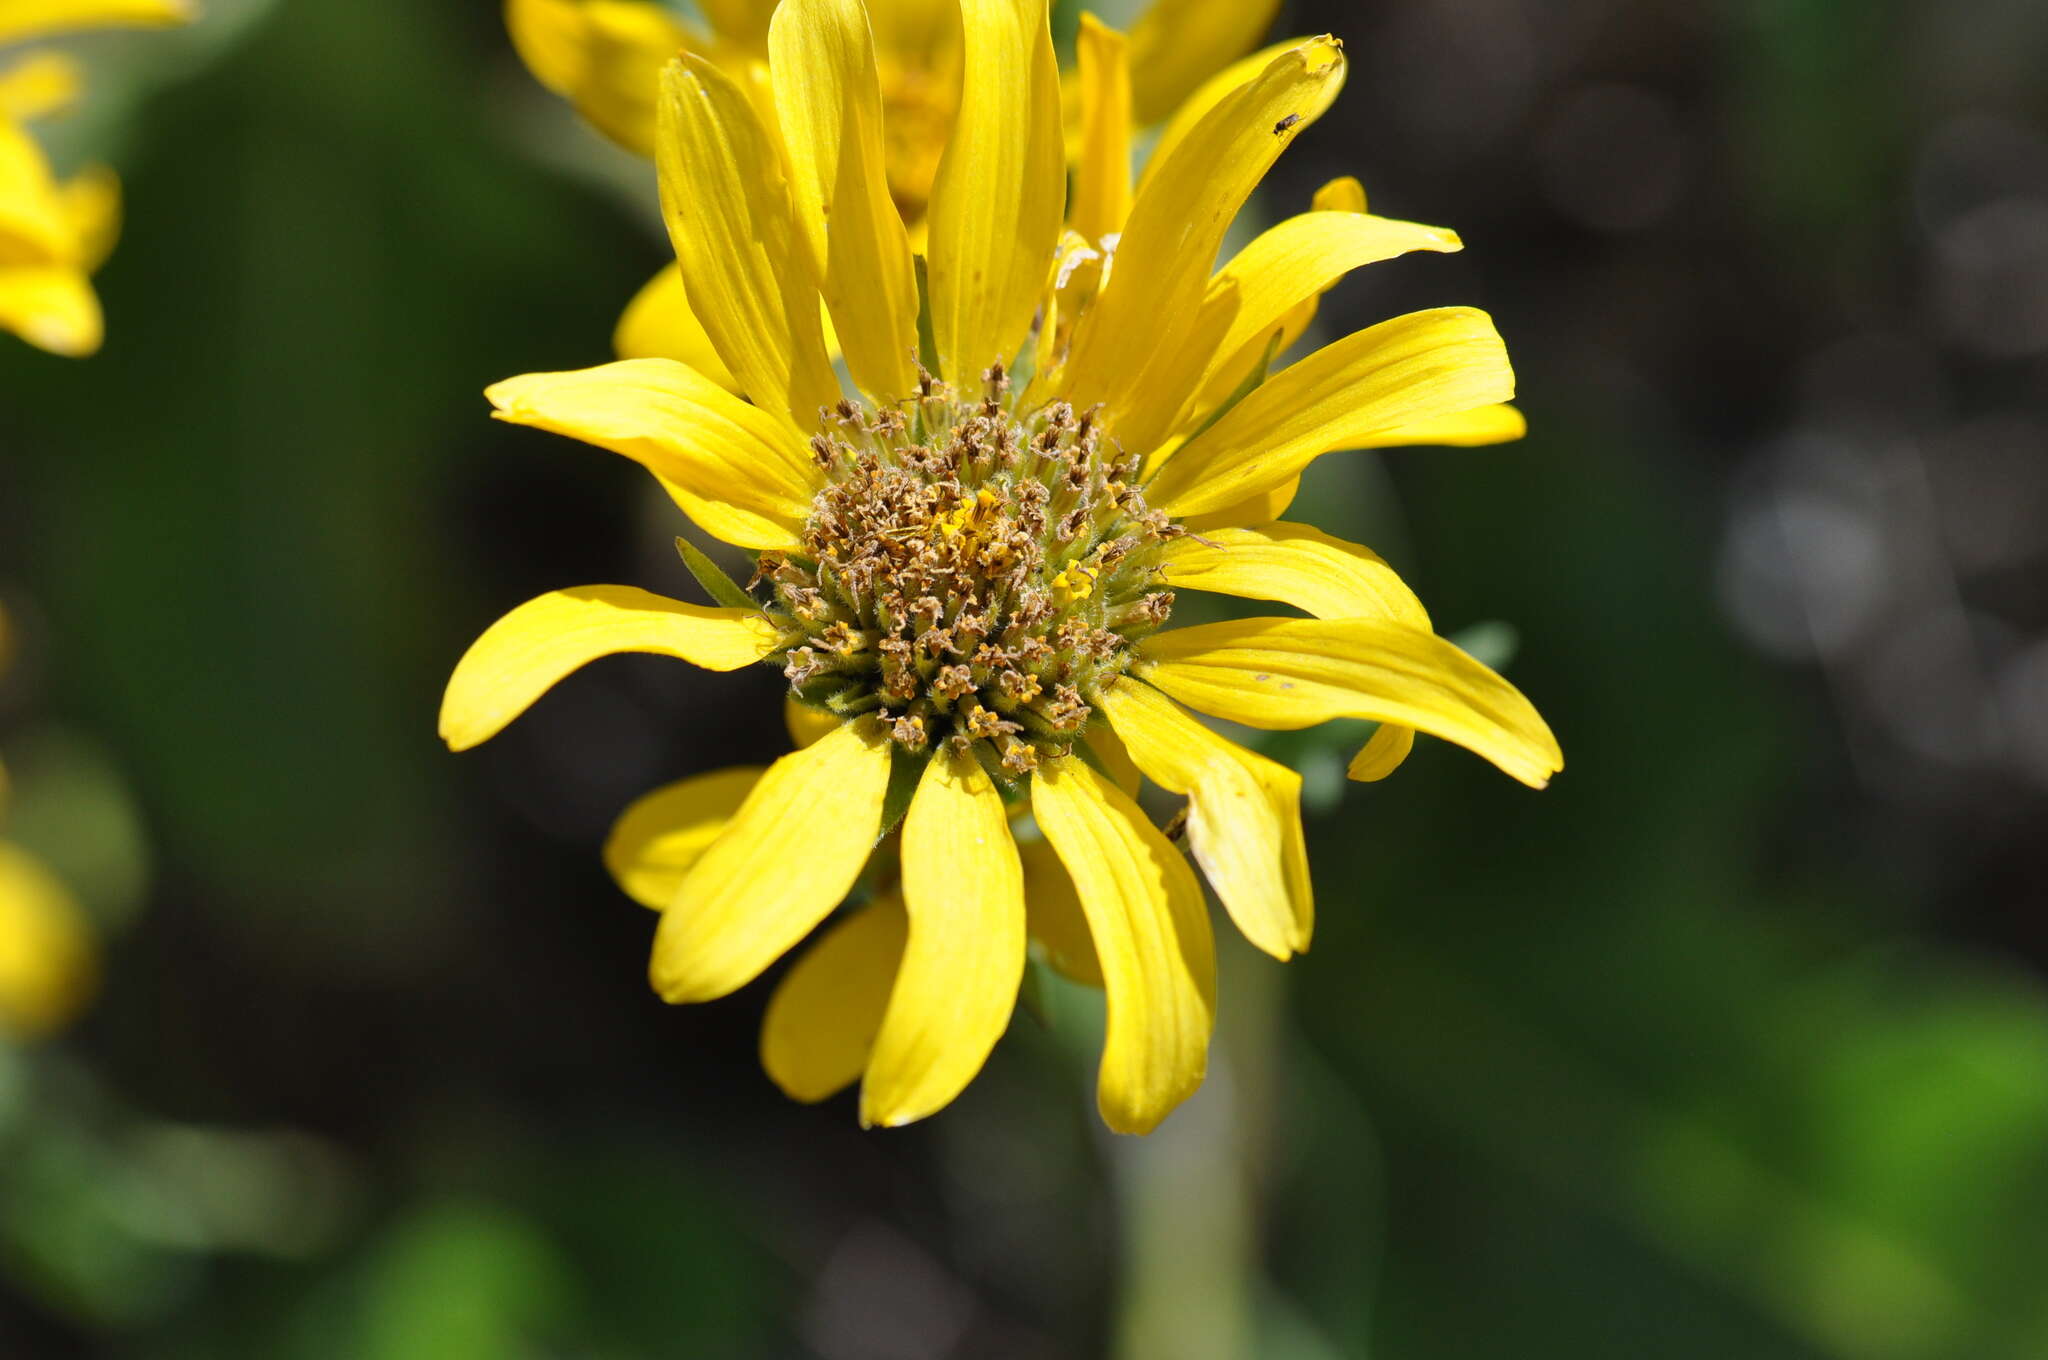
[905, 770]
[720, 587]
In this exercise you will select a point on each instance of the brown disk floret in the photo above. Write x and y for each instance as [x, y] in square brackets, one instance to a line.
[970, 573]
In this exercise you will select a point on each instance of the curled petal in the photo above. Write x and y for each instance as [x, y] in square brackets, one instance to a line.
[736, 470]
[1244, 815]
[522, 656]
[1415, 368]
[1292, 673]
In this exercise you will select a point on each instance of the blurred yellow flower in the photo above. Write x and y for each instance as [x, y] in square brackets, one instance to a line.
[49, 963]
[965, 575]
[54, 234]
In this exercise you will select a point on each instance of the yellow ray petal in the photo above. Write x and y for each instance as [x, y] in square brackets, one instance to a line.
[92, 206]
[1497, 424]
[1414, 368]
[1244, 815]
[828, 95]
[24, 19]
[745, 271]
[1290, 673]
[1114, 758]
[661, 834]
[1267, 286]
[822, 1021]
[1303, 566]
[603, 56]
[548, 36]
[522, 655]
[1000, 196]
[964, 887]
[741, 22]
[1383, 753]
[1295, 564]
[53, 308]
[806, 725]
[1190, 112]
[1343, 194]
[1052, 911]
[1102, 179]
[1176, 225]
[916, 32]
[1152, 937]
[38, 85]
[49, 965]
[33, 229]
[1259, 508]
[736, 470]
[658, 324]
[1177, 44]
[789, 856]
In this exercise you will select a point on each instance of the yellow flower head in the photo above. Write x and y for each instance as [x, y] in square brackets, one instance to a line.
[54, 234]
[965, 571]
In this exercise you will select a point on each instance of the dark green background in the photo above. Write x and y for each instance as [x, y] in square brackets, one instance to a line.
[1731, 1044]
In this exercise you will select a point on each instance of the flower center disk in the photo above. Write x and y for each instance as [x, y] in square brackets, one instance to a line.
[970, 573]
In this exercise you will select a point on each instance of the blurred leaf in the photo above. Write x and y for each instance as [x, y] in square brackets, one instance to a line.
[464, 1281]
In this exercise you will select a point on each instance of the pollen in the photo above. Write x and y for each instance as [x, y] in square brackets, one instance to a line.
[971, 573]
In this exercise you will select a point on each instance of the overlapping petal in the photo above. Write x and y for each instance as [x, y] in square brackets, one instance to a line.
[1295, 564]
[1421, 367]
[661, 834]
[745, 270]
[522, 655]
[1244, 815]
[1190, 112]
[1177, 44]
[964, 887]
[826, 1010]
[806, 725]
[1053, 914]
[790, 854]
[1178, 221]
[1265, 289]
[658, 324]
[1102, 177]
[1301, 565]
[735, 469]
[603, 56]
[1000, 195]
[828, 94]
[1292, 673]
[1152, 939]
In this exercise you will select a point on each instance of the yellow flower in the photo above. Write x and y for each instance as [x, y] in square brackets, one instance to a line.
[965, 574]
[54, 234]
[48, 960]
[605, 57]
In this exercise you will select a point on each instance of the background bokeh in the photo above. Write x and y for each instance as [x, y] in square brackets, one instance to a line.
[1732, 1043]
